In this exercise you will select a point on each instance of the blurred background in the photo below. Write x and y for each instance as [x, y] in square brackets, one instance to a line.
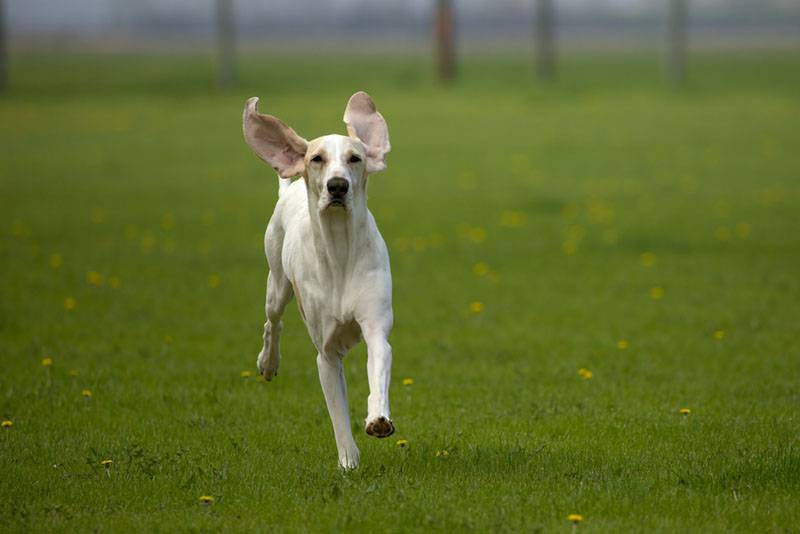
[360, 26]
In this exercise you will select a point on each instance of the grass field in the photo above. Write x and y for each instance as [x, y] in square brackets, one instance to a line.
[650, 237]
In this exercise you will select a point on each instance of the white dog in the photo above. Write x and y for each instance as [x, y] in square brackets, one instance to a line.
[323, 246]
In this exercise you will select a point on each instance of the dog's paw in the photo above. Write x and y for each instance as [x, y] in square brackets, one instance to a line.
[348, 459]
[380, 427]
[268, 367]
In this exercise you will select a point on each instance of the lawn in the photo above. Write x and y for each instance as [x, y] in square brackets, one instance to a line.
[573, 265]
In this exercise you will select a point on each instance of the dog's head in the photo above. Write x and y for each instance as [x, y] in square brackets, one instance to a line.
[335, 167]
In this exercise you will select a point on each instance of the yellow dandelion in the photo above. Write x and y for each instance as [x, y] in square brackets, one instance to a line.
[585, 373]
[402, 443]
[260, 378]
[94, 278]
[513, 219]
[575, 518]
[86, 393]
[657, 293]
[408, 381]
[685, 411]
[206, 499]
[56, 261]
[7, 424]
[47, 362]
[168, 221]
[168, 339]
[575, 232]
[476, 235]
[648, 259]
[719, 335]
[442, 454]
[98, 215]
[148, 241]
[214, 281]
[114, 282]
[743, 230]
[106, 463]
[480, 269]
[69, 303]
[723, 233]
[476, 307]
[623, 344]
[569, 247]
[246, 374]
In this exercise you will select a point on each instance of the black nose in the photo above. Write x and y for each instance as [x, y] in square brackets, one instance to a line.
[338, 186]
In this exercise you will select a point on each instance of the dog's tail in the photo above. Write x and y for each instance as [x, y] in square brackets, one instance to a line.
[283, 185]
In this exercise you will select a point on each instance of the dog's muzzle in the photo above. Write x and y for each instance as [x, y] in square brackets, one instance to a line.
[337, 191]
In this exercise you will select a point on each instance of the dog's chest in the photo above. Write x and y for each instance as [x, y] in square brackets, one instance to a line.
[328, 312]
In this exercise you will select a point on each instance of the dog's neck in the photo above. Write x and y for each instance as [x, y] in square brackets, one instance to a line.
[337, 237]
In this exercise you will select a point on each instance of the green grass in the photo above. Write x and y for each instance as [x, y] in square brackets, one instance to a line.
[135, 168]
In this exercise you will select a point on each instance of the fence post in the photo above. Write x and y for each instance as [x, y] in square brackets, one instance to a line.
[226, 44]
[677, 36]
[3, 50]
[445, 40]
[545, 36]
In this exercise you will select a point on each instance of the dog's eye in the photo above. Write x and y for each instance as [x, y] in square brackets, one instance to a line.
[354, 159]
[317, 159]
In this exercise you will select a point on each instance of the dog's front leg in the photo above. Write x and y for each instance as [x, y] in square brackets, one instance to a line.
[331, 376]
[379, 374]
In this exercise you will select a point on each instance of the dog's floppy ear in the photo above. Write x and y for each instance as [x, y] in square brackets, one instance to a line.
[365, 123]
[273, 141]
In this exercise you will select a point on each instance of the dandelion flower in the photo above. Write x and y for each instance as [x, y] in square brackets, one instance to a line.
[402, 443]
[408, 381]
[214, 281]
[476, 235]
[476, 307]
[86, 393]
[569, 247]
[723, 233]
[442, 454]
[47, 362]
[207, 499]
[513, 219]
[743, 230]
[7, 424]
[575, 518]
[94, 278]
[585, 373]
[685, 411]
[246, 374]
[623, 344]
[480, 269]
[56, 261]
[106, 463]
[719, 334]
[168, 339]
[69, 303]
[114, 282]
[647, 259]
[657, 293]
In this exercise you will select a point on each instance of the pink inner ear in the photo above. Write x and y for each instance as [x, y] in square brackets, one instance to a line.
[365, 122]
[273, 141]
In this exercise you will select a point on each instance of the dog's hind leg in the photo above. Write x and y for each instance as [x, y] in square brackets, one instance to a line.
[279, 294]
[331, 377]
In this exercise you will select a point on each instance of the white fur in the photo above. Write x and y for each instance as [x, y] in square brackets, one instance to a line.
[333, 259]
